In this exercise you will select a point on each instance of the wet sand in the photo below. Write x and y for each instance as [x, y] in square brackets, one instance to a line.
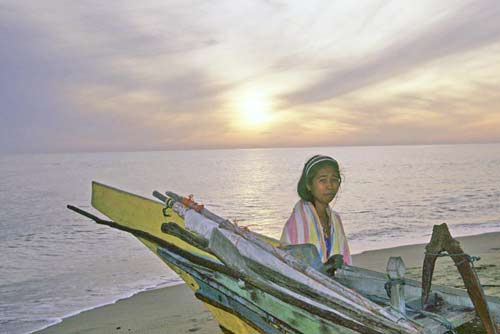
[175, 310]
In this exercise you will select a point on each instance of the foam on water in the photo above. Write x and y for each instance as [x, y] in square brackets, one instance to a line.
[55, 263]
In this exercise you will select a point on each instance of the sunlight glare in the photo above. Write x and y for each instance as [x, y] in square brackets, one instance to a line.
[255, 110]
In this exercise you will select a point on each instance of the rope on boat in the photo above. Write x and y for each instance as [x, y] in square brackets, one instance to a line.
[470, 258]
[439, 318]
[388, 285]
[442, 320]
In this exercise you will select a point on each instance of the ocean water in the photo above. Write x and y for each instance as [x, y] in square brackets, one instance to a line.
[55, 263]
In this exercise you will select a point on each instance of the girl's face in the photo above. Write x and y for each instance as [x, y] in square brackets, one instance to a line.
[324, 185]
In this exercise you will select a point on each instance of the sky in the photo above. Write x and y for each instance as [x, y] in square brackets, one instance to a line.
[158, 74]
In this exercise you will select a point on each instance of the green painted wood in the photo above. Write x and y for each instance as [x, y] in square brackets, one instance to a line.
[255, 299]
[352, 310]
[459, 310]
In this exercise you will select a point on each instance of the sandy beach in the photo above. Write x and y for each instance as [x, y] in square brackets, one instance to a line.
[176, 310]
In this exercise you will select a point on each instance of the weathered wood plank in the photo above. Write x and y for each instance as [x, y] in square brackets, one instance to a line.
[277, 310]
[371, 283]
[364, 312]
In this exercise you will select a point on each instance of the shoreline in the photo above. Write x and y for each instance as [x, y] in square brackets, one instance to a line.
[142, 312]
[174, 309]
[57, 321]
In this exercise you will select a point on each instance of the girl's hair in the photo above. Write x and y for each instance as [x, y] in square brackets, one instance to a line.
[311, 168]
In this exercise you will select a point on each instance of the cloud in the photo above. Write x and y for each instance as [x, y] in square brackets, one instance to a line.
[81, 79]
[450, 100]
[155, 75]
[471, 26]
[414, 116]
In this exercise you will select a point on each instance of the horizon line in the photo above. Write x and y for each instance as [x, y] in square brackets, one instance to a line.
[86, 151]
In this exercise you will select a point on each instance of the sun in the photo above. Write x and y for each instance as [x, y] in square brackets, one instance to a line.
[255, 110]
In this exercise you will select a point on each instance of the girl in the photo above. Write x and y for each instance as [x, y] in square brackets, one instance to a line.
[312, 220]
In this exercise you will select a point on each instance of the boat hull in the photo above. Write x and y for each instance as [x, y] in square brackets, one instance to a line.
[263, 306]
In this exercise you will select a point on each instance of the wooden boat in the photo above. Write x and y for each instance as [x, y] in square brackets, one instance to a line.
[251, 284]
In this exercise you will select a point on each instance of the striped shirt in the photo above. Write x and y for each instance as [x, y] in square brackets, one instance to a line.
[304, 227]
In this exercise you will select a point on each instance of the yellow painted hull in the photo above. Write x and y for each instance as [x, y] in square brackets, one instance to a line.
[147, 215]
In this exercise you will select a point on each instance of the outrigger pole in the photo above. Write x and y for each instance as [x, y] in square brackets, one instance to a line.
[443, 244]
